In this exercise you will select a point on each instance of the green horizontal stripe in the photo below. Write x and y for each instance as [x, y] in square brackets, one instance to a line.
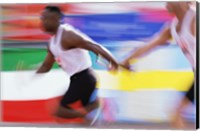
[22, 59]
[29, 59]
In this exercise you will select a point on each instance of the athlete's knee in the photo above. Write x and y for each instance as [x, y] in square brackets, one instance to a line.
[67, 112]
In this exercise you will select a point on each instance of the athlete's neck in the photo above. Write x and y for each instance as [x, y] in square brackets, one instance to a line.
[54, 31]
[180, 14]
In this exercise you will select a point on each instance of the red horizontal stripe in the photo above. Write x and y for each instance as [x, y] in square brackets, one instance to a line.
[28, 37]
[32, 8]
[24, 23]
[38, 111]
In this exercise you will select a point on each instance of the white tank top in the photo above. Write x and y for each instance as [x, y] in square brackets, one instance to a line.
[71, 61]
[184, 38]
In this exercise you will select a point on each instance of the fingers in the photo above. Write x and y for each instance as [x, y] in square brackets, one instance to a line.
[126, 66]
[113, 67]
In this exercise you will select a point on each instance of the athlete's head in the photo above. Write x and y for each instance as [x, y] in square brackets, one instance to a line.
[174, 7]
[50, 18]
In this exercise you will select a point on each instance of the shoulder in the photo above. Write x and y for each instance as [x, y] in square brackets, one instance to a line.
[169, 24]
[69, 35]
[67, 27]
[70, 38]
[72, 34]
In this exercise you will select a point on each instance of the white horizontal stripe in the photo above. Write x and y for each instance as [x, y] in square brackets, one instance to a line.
[22, 85]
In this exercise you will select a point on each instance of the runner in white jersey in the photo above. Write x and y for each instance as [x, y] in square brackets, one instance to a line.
[69, 48]
[183, 30]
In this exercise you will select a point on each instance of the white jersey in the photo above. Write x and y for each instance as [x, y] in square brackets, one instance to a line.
[74, 60]
[184, 38]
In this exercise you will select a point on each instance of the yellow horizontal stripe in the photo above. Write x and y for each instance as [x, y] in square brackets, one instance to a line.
[130, 81]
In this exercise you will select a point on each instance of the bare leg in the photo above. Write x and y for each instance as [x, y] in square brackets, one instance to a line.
[65, 112]
[177, 120]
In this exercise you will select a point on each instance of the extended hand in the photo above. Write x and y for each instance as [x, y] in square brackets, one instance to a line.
[125, 64]
[113, 67]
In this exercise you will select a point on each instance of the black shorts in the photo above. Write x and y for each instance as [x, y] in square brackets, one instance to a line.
[82, 86]
[190, 93]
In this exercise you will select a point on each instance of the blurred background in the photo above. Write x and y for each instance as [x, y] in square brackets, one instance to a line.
[148, 95]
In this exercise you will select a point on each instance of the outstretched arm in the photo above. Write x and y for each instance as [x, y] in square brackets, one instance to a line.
[85, 43]
[159, 39]
[100, 50]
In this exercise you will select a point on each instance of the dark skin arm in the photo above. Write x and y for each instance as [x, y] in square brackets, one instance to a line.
[47, 64]
[72, 39]
[160, 39]
[193, 27]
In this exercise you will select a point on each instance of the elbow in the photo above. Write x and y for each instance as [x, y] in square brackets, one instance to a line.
[43, 70]
[46, 69]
